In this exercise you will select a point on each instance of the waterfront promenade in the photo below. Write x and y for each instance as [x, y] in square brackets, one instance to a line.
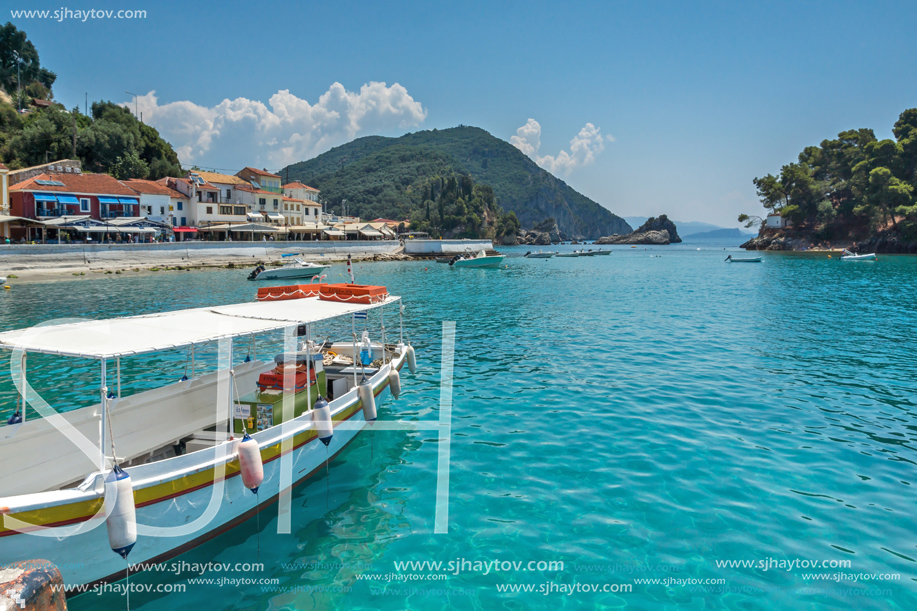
[25, 260]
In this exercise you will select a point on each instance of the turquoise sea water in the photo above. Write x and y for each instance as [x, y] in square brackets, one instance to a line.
[635, 416]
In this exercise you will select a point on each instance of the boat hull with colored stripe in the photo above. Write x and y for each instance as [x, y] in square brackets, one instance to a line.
[193, 498]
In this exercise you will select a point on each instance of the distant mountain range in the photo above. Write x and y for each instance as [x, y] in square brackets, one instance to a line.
[697, 230]
[390, 178]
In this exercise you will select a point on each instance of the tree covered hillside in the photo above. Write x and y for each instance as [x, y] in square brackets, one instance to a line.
[377, 187]
[110, 140]
[850, 187]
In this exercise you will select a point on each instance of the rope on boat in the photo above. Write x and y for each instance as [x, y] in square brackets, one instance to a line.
[111, 433]
[373, 299]
[232, 378]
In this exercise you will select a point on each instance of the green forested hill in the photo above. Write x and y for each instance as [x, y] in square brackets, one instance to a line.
[110, 139]
[387, 177]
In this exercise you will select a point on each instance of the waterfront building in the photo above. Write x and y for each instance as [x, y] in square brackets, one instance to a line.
[308, 198]
[206, 200]
[163, 204]
[261, 179]
[98, 196]
[225, 185]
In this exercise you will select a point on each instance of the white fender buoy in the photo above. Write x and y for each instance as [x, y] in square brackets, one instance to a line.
[120, 512]
[321, 418]
[250, 463]
[368, 400]
[394, 382]
[412, 360]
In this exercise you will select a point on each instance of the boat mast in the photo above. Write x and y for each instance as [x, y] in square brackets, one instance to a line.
[308, 365]
[25, 403]
[382, 318]
[229, 430]
[103, 391]
[353, 331]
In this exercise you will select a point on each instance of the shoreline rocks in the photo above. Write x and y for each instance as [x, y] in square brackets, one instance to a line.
[887, 242]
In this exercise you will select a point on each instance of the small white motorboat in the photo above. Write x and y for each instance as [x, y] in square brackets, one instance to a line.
[731, 259]
[849, 256]
[539, 255]
[296, 269]
[569, 254]
[482, 259]
[602, 252]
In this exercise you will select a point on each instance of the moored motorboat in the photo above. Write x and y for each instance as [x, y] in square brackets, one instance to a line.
[731, 259]
[849, 256]
[539, 255]
[602, 252]
[295, 269]
[182, 444]
[482, 259]
[569, 254]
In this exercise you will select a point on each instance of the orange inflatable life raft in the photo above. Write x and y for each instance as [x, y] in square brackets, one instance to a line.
[296, 291]
[353, 293]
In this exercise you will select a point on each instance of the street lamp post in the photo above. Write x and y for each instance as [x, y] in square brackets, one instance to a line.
[18, 80]
[136, 113]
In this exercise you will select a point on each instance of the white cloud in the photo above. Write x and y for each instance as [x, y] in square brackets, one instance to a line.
[241, 132]
[584, 147]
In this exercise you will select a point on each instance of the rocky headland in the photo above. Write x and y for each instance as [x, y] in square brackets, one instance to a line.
[655, 231]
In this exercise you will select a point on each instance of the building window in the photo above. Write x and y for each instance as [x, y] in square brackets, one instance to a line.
[209, 209]
[183, 222]
[262, 202]
[228, 194]
[225, 209]
[240, 210]
[162, 210]
[179, 205]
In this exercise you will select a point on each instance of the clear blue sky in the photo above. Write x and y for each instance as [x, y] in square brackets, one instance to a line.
[699, 97]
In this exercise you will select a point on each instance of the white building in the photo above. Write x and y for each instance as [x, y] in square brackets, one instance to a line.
[308, 196]
[225, 185]
[203, 198]
[161, 203]
[776, 221]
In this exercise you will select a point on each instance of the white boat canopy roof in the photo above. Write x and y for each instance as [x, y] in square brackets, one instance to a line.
[131, 335]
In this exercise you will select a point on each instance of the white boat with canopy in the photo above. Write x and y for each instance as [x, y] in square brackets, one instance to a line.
[154, 473]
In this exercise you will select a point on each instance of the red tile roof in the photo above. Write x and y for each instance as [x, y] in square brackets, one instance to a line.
[151, 187]
[95, 184]
[298, 185]
[259, 172]
[3, 167]
[254, 190]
